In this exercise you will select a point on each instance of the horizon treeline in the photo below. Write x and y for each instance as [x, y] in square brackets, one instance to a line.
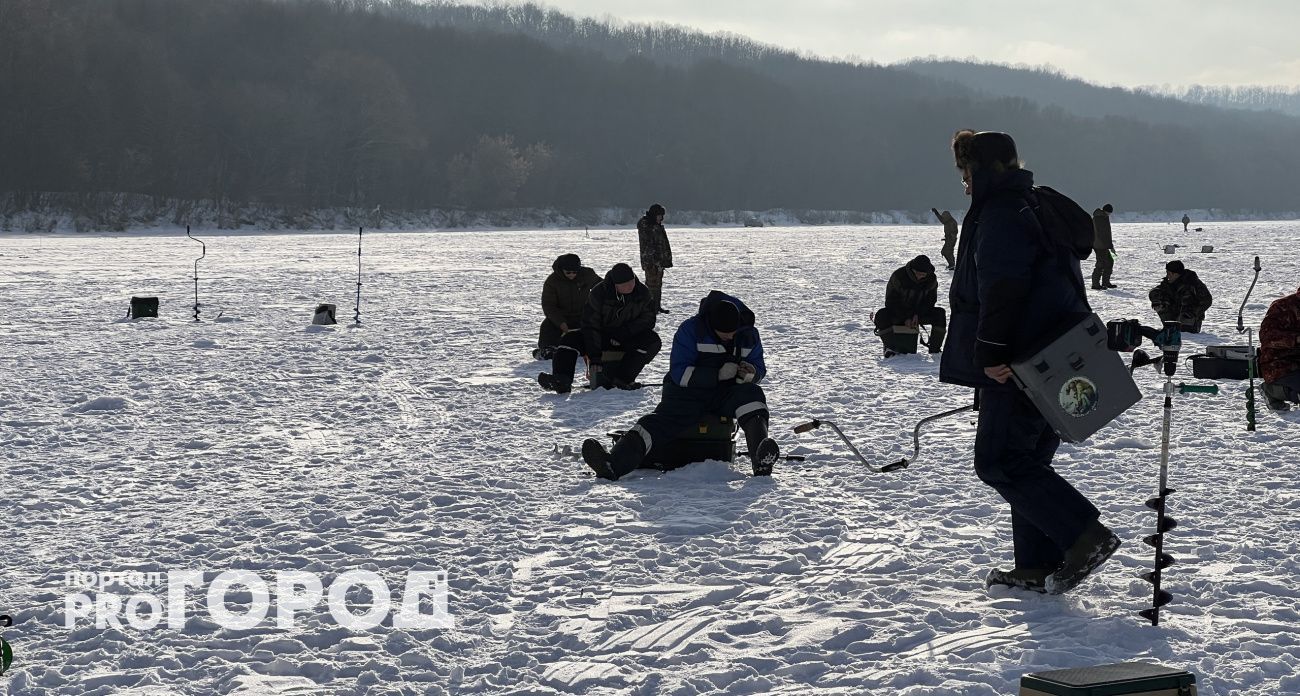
[309, 104]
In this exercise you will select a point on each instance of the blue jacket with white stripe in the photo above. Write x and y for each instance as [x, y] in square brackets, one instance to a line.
[698, 353]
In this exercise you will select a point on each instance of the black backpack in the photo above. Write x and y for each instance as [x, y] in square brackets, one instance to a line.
[1065, 222]
[1067, 227]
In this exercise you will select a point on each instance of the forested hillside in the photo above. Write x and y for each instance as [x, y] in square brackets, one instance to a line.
[313, 104]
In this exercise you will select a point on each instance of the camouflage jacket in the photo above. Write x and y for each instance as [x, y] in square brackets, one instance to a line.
[1279, 339]
[655, 250]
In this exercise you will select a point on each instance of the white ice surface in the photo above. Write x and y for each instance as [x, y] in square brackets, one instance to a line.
[420, 440]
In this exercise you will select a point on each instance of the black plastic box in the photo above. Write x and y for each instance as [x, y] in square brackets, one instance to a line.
[1121, 679]
[1215, 367]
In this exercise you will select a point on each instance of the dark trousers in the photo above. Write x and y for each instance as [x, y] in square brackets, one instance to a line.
[1013, 454]
[638, 351]
[683, 408]
[654, 280]
[1101, 271]
[1188, 321]
[1285, 389]
[935, 317]
[948, 246]
[548, 336]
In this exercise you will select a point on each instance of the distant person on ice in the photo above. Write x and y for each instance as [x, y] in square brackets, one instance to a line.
[656, 253]
[1181, 297]
[1103, 244]
[1186, 221]
[715, 368]
[620, 317]
[1279, 352]
[949, 235]
[564, 294]
[910, 297]
[1008, 292]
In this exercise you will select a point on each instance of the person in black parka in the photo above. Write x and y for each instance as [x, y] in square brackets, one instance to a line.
[619, 317]
[910, 298]
[1103, 243]
[1181, 297]
[949, 236]
[1012, 289]
[656, 252]
[564, 294]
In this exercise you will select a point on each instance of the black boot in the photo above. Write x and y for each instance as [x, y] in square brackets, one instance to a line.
[937, 334]
[1025, 579]
[563, 362]
[550, 382]
[627, 455]
[596, 457]
[1275, 396]
[1090, 550]
[763, 450]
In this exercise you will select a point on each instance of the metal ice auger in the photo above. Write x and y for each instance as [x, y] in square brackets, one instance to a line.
[1169, 361]
[196, 270]
[1250, 353]
[6, 652]
[916, 437]
[357, 317]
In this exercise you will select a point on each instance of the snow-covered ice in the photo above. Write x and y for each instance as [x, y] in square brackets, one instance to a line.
[420, 440]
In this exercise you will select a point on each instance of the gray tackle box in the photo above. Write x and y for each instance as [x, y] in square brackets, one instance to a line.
[1077, 383]
[1125, 678]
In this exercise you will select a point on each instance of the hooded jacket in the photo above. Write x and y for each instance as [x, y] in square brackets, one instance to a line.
[611, 316]
[949, 226]
[563, 299]
[698, 353]
[1183, 300]
[1101, 239]
[1011, 289]
[905, 295]
[1279, 339]
[656, 252]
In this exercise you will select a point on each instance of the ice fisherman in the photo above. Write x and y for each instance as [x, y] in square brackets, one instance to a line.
[564, 294]
[949, 235]
[656, 252]
[1279, 352]
[715, 369]
[910, 298]
[618, 318]
[1103, 244]
[1009, 292]
[1181, 297]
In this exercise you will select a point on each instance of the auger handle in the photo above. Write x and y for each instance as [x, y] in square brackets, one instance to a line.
[811, 425]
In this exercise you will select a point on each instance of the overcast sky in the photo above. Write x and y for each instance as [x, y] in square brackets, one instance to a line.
[1134, 42]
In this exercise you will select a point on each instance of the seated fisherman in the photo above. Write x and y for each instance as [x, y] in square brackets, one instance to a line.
[564, 294]
[1181, 297]
[715, 368]
[910, 300]
[619, 316]
[1279, 352]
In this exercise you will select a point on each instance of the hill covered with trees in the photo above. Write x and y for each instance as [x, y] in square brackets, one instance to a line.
[312, 104]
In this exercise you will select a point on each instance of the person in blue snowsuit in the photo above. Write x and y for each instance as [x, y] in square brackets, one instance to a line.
[1010, 291]
[715, 369]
